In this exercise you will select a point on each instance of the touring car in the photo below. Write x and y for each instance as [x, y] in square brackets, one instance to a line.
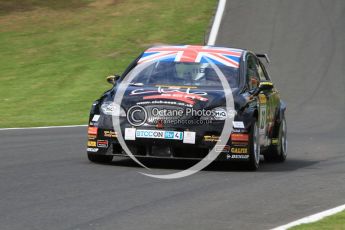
[174, 107]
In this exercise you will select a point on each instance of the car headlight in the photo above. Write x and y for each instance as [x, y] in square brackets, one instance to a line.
[111, 108]
[219, 114]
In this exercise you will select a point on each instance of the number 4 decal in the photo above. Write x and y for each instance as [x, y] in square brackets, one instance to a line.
[263, 117]
[263, 112]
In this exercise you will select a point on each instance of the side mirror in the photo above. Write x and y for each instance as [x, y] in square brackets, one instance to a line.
[263, 86]
[112, 79]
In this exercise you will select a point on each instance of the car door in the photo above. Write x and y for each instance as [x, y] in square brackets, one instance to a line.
[253, 81]
[272, 102]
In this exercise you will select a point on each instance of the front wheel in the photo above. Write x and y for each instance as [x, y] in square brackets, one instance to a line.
[254, 147]
[99, 158]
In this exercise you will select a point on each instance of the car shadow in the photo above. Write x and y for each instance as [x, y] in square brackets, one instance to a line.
[289, 165]
[177, 164]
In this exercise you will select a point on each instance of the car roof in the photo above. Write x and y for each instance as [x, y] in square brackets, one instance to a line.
[194, 54]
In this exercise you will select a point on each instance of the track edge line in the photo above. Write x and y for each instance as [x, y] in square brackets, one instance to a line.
[216, 23]
[312, 218]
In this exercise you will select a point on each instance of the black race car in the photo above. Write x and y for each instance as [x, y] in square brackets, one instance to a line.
[174, 106]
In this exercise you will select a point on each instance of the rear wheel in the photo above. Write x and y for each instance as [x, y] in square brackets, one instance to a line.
[254, 147]
[99, 158]
[278, 152]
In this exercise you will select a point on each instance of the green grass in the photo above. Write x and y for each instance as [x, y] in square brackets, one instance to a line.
[55, 55]
[335, 222]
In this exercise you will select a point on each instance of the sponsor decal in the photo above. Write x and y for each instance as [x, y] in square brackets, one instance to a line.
[108, 133]
[159, 134]
[188, 137]
[239, 156]
[162, 90]
[262, 99]
[178, 94]
[239, 131]
[239, 150]
[239, 144]
[130, 134]
[102, 143]
[95, 117]
[263, 113]
[211, 138]
[263, 116]
[238, 124]
[91, 143]
[164, 102]
[239, 137]
[92, 130]
[263, 123]
[222, 148]
[91, 137]
[94, 150]
[177, 86]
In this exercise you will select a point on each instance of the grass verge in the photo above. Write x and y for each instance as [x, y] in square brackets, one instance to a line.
[334, 222]
[55, 55]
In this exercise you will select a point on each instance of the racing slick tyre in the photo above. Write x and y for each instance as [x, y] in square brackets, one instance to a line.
[254, 147]
[278, 151]
[99, 158]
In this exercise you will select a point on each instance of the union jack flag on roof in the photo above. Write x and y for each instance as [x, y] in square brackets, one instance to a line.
[190, 53]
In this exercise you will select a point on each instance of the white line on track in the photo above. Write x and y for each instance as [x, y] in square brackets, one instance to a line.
[216, 23]
[44, 127]
[312, 218]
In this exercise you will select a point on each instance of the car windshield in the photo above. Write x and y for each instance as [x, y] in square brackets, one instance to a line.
[185, 73]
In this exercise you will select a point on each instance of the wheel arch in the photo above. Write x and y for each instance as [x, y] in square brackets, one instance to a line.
[250, 117]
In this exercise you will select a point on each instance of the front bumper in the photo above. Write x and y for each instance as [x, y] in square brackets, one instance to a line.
[104, 142]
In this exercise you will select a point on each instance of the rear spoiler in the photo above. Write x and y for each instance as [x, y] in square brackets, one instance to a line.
[263, 56]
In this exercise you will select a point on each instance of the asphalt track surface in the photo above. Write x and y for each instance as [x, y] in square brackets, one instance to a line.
[46, 182]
